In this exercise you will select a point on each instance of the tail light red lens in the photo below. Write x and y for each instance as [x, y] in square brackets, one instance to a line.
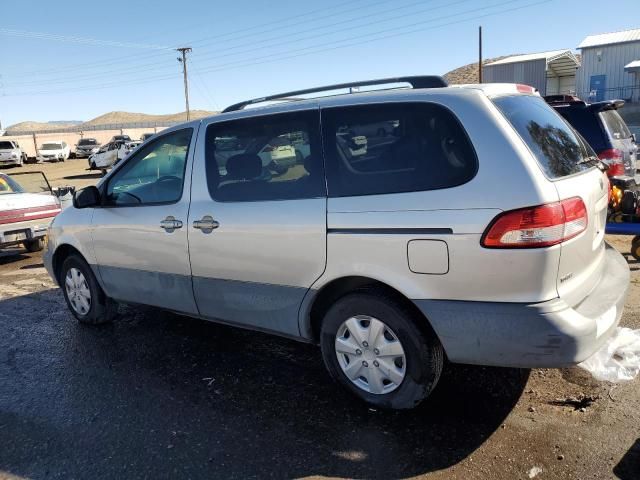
[614, 159]
[540, 226]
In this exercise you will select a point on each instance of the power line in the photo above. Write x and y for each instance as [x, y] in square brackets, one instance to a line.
[80, 40]
[154, 66]
[288, 55]
[118, 59]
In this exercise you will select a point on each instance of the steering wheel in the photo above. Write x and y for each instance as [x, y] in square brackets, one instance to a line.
[137, 198]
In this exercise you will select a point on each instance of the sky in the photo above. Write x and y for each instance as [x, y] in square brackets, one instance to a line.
[75, 60]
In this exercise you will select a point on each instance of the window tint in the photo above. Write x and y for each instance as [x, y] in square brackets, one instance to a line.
[552, 141]
[266, 158]
[154, 174]
[6, 146]
[587, 123]
[615, 125]
[395, 148]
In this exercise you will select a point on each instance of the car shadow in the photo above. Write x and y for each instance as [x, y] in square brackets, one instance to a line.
[158, 394]
[12, 254]
[628, 468]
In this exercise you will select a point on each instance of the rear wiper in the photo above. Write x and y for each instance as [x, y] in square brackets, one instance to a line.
[589, 159]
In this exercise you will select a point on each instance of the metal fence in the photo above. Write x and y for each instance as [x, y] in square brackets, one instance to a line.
[81, 128]
[630, 94]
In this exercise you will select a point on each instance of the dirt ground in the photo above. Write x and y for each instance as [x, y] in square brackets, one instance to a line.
[159, 395]
[70, 172]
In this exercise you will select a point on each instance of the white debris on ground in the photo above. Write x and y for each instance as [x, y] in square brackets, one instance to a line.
[618, 360]
[534, 472]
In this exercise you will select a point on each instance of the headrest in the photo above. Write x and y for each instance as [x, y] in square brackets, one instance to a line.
[245, 166]
[310, 164]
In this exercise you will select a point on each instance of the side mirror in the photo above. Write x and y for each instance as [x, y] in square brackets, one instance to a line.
[87, 197]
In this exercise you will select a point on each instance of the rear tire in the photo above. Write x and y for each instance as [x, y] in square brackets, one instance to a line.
[381, 377]
[35, 245]
[84, 296]
[635, 248]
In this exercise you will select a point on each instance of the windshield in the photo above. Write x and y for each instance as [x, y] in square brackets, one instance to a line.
[6, 146]
[51, 146]
[88, 141]
[555, 145]
[9, 185]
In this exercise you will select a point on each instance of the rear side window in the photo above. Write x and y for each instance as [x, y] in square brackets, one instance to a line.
[394, 148]
[552, 141]
[615, 125]
[275, 157]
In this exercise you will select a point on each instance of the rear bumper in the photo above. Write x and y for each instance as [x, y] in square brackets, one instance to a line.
[14, 233]
[547, 334]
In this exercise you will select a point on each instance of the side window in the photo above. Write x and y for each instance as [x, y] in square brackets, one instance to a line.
[154, 174]
[393, 148]
[276, 157]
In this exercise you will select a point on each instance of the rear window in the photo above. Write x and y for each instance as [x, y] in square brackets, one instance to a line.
[394, 148]
[9, 185]
[6, 146]
[588, 124]
[554, 144]
[615, 125]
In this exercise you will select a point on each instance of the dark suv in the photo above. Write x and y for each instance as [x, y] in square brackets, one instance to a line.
[602, 126]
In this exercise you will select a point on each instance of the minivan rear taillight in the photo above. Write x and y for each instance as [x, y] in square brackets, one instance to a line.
[540, 226]
[614, 159]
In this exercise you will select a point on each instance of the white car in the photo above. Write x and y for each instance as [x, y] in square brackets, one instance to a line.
[54, 151]
[11, 153]
[27, 206]
[111, 153]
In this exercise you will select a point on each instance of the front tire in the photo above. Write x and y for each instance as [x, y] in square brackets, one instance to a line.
[85, 299]
[372, 345]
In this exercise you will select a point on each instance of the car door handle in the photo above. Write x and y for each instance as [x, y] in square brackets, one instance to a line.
[170, 224]
[206, 225]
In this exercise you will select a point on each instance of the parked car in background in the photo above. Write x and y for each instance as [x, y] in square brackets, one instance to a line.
[86, 147]
[27, 206]
[11, 153]
[54, 151]
[120, 138]
[111, 153]
[602, 126]
[146, 136]
[390, 256]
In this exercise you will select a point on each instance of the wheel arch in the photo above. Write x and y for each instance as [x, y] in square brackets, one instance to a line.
[320, 302]
[60, 255]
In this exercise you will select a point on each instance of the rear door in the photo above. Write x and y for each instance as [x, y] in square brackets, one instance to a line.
[561, 155]
[257, 230]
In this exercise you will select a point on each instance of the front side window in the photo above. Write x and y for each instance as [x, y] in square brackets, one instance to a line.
[153, 175]
[394, 148]
[275, 157]
[552, 141]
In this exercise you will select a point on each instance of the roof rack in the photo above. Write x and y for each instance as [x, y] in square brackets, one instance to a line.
[426, 81]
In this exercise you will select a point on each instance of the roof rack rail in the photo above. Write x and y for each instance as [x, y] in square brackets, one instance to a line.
[425, 81]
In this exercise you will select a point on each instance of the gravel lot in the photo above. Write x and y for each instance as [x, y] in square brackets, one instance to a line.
[156, 395]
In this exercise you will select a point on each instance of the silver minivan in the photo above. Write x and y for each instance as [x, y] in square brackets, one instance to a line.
[473, 230]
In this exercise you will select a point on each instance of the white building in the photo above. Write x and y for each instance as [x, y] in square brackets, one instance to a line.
[610, 66]
[550, 72]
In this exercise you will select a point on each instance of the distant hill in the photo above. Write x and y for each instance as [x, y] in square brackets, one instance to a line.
[128, 117]
[469, 73]
[106, 119]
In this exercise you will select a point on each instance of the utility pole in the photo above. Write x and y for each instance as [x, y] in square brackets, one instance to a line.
[183, 60]
[480, 54]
